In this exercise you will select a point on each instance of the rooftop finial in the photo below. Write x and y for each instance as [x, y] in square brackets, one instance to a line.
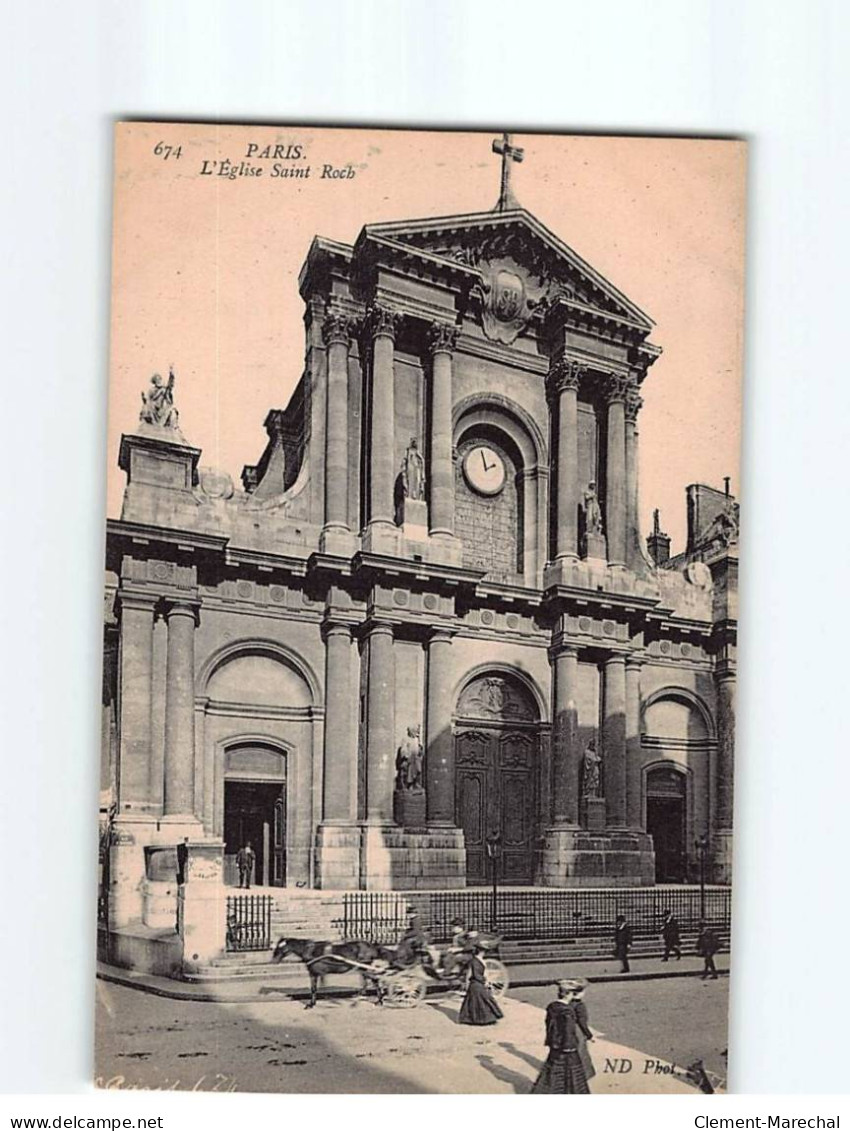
[508, 152]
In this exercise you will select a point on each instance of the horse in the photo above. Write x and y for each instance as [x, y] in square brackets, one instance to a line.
[322, 957]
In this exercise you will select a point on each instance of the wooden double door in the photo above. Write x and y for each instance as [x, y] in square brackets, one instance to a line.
[495, 792]
[255, 814]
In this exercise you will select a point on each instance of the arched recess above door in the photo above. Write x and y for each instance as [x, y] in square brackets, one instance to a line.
[498, 696]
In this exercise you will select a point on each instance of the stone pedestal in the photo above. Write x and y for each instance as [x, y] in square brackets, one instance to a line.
[202, 905]
[401, 859]
[334, 540]
[409, 809]
[595, 548]
[592, 810]
[338, 856]
[127, 870]
[413, 519]
[381, 538]
[584, 858]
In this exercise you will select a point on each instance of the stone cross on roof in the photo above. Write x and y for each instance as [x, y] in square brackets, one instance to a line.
[508, 152]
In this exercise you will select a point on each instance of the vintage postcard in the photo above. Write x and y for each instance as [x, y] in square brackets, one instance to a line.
[420, 615]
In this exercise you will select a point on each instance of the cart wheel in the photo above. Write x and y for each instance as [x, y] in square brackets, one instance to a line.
[405, 990]
[497, 977]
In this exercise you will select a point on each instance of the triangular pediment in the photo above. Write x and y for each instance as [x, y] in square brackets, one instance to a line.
[495, 239]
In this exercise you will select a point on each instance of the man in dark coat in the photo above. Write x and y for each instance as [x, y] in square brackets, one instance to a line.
[708, 945]
[670, 934]
[245, 858]
[622, 942]
[182, 860]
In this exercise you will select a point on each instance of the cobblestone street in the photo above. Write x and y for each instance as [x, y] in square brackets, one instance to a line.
[348, 1046]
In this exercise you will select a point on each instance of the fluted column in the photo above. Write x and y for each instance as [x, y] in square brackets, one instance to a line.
[383, 323]
[179, 798]
[136, 676]
[442, 342]
[615, 470]
[564, 382]
[633, 405]
[336, 330]
[565, 754]
[380, 722]
[614, 740]
[726, 683]
[634, 814]
[340, 754]
[439, 761]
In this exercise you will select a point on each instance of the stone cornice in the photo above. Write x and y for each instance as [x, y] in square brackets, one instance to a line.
[384, 565]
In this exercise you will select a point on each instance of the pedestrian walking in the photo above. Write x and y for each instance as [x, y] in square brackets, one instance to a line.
[568, 1066]
[245, 858]
[671, 936]
[708, 945]
[478, 1007]
[622, 942]
[182, 860]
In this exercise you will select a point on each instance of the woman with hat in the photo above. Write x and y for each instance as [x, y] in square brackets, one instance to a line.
[478, 1007]
[568, 1066]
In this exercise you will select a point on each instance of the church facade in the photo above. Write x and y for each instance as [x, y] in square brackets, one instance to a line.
[425, 629]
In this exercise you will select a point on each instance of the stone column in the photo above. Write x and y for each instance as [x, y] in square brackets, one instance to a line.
[614, 740]
[179, 798]
[380, 720]
[725, 682]
[335, 330]
[443, 338]
[439, 761]
[136, 682]
[615, 470]
[340, 752]
[383, 323]
[633, 406]
[564, 382]
[565, 754]
[634, 809]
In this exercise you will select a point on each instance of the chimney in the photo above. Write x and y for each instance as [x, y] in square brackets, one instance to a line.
[658, 543]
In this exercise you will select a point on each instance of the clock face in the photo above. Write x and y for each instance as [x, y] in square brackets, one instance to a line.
[484, 470]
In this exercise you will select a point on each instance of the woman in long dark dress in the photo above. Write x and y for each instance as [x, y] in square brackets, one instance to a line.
[568, 1066]
[478, 1007]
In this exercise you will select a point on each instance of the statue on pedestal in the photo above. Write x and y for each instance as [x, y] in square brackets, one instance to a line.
[592, 511]
[158, 403]
[409, 761]
[413, 472]
[591, 767]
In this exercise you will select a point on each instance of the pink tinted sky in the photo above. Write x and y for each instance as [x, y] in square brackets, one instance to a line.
[205, 271]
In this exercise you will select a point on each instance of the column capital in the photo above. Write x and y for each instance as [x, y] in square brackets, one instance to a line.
[382, 320]
[616, 387]
[442, 337]
[378, 628]
[130, 599]
[562, 648]
[615, 658]
[634, 660]
[441, 636]
[565, 374]
[181, 606]
[337, 327]
[634, 402]
[335, 628]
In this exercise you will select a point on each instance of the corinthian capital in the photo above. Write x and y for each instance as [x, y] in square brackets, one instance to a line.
[634, 402]
[616, 388]
[336, 327]
[565, 373]
[383, 320]
[442, 337]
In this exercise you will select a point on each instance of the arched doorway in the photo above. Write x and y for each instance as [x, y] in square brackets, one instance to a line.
[666, 821]
[255, 812]
[496, 769]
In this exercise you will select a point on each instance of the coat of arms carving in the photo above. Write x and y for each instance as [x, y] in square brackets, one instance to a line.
[507, 300]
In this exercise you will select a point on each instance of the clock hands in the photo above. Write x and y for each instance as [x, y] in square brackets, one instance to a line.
[487, 466]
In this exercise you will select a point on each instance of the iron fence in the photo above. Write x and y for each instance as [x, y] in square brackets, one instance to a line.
[249, 922]
[522, 914]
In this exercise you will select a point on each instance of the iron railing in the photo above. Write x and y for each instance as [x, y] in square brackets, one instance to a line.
[541, 914]
[249, 922]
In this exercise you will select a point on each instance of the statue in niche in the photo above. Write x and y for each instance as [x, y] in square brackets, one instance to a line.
[409, 761]
[592, 511]
[591, 771]
[158, 403]
[413, 472]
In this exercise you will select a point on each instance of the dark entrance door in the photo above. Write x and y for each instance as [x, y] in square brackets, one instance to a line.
[256, 812]
[494, 792]
[665, 822]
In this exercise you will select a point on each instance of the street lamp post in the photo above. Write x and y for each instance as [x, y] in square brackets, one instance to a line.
[702, 848]
[494, 851]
